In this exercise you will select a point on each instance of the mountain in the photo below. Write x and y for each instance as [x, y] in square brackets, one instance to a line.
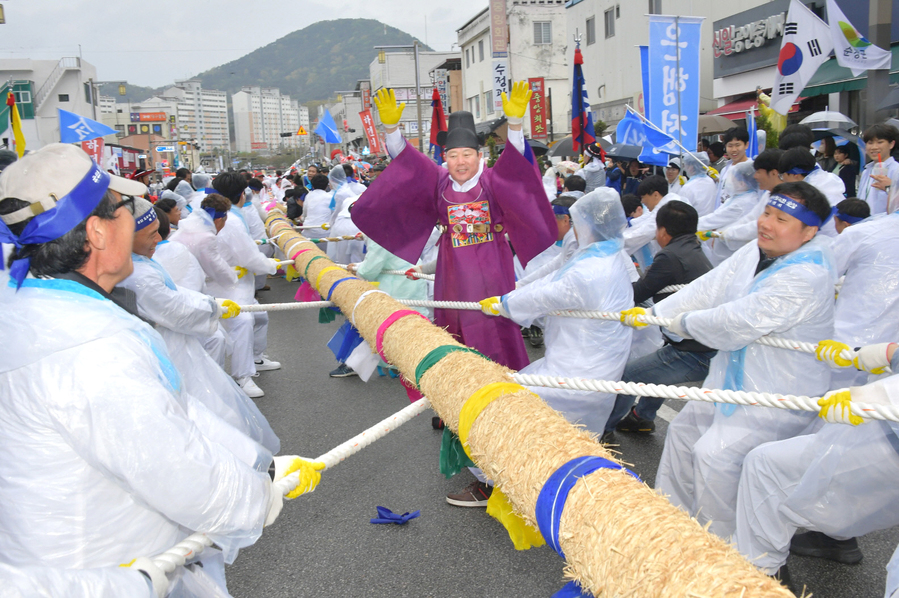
[133, 93]
[312, 63]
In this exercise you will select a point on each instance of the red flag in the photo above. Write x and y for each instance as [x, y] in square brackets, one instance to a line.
[438, 124]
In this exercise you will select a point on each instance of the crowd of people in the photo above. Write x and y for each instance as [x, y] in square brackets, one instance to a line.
[134, 391]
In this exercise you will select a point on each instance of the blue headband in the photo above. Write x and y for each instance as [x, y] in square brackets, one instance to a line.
[215, 213]
[52, 224]
[209, 190]
[145, 220]
[845, 217]
[796, 210]
[561, 211]
[797, 170]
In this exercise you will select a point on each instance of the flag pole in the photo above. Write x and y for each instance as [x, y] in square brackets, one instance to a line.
[685, 150]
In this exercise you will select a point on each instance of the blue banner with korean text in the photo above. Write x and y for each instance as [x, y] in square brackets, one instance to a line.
[674, 46]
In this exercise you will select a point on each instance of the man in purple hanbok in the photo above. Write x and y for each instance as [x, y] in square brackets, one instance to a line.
[475, 207]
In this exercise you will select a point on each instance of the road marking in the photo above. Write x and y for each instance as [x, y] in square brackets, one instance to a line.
[666, 413]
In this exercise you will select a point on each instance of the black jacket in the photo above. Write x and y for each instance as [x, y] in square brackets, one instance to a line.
[680, 262]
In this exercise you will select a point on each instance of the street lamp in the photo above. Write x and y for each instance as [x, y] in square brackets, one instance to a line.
[382, 59]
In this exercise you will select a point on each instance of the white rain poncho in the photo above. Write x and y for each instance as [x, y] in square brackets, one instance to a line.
[28, 582]
[254, 222]
[639, 237]
[700, 189]
[238, 248]
[728, 308]
[347, 252]
[742, 190]
[184, 319]
[833, 188]
[550, 260]
[595, 278]
[316, 212]
[197, 233]
[181, 265]
[594, 173]
[892, 576]
[111, 462]
[867, 309]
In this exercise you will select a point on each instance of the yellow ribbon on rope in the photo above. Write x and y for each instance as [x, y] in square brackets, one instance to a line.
[318, 280]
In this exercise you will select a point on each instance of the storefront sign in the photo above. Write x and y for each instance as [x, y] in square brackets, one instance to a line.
[539, 116]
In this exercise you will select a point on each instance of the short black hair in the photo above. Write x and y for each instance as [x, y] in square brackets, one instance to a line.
[881, 131]
[182, 173]
[297, 193]
[677, 218]
[167, 204]
[807, 195]
[631, 203]
[65, 254]
[768, 160]
[348, 170]
[797, 157]
[854, 207]
[217, 202]
[320, 181]
[575, 183]
[717, 149]
[231, 185]
[651, 184]
[796, 136]
[564, 200]
[735, 134]
[164, 226]
[254, 184]
[278, 173]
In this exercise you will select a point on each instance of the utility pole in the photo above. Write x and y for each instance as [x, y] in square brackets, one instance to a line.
[418, 97]
[880, 16]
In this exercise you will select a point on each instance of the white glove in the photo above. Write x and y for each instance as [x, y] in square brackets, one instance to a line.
[678, 327]
[276, 502]
[873, 358]
[157, 576]
[275, 264]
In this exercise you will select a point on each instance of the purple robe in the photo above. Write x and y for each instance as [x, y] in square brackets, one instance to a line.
[401, 207]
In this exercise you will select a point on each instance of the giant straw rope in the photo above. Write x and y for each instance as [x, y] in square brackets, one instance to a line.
[619, 537]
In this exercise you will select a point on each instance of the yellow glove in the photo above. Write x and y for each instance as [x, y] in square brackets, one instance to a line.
[704, 235]
[713, 173]
[490, 306]
[840, 400]
[389, 111]
[829, 351]
[629, 317]
[309, 473]
[228, 309]
[516, 104]
[241, 271]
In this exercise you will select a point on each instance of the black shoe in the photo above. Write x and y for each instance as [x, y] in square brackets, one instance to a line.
[525, 332]
[607, 437]
[343, 371]
[437, 423]
[635, 424]
[536, 337]
[783, 576]
[822, 546]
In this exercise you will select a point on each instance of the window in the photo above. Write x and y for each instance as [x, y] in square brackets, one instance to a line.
[488, 102]
[474, 106]
[481, 51]
[543, 32]
[610, 23]
[22, 96]
[63, 97]
[655, 7]
[467, 58]
[591, 30]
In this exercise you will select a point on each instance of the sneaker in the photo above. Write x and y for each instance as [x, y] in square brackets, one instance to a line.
[783, 576]
[636, 424]
[437, 423]
[822, 546]
[607, 437]
[249, 387]
[475, 495]
[536, 337]
[343, 371]
[265, 364]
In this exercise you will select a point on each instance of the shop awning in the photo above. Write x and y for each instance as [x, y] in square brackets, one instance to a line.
[832, 78]
[737, 110]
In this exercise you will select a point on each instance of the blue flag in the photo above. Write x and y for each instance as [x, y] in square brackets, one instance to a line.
[644, 66]
[74, 128]
[753, 150]
[327, 129]
[630, 130]
[658, 147]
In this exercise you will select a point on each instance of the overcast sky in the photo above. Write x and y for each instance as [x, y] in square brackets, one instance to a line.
[153, 43]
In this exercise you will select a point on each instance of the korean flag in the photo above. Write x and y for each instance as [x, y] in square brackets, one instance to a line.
[807, 44]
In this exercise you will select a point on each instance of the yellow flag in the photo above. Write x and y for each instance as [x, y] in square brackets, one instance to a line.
[16, 124]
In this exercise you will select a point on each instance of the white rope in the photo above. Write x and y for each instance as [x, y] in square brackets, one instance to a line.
[324, 226]
[188, 549]
[414, 273]
[612, 316]
[709, 395]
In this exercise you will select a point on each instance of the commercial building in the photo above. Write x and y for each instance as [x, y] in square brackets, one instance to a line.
[261, 115]
[201, 114]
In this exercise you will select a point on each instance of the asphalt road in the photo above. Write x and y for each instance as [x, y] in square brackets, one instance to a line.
[323, 544]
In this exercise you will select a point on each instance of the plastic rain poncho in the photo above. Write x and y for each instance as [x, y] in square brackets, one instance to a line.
[347, 252]
[109, 463]
[197, 233]
[742, 190]
[700, 189]
[316, 212]
[28, 582]
[833, 188]
[867, 308]
[842, 481]
[594, 173]
[728, 308]
[595, 278]
[892, 576]
[239, 249]
[201, 182]
[181, 265]
[184, 319]
[552, 258]
[253, 220]
[639, 237]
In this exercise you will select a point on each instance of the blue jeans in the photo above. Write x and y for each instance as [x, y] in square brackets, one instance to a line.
[666, 366]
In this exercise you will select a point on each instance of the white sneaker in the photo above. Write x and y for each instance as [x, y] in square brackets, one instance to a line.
[249, 387]
[265, 364]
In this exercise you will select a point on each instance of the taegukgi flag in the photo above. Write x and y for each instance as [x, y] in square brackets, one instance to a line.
[806, 45]
[852, 50]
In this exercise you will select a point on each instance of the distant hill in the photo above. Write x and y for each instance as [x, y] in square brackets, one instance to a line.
[133, 93]
[310, 64]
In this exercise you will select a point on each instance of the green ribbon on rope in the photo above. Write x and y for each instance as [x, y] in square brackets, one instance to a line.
[452, 455]
[431, 359]
[306, 271]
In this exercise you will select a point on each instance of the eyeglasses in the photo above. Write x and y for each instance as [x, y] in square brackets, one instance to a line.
[127, 202]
